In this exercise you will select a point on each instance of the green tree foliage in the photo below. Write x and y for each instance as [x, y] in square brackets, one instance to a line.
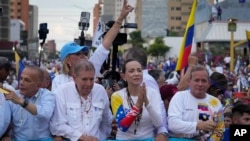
[158, 48]
[135, 39]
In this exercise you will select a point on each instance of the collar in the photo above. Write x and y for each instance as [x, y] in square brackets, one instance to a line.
[33, 97]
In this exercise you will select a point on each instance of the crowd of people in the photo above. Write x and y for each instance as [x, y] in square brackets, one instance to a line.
[75, 105]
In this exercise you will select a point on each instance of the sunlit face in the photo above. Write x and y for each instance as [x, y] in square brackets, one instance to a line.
[227, 122]
[84, 81]
[133, 73]
[29, 82]
[74, 58]
[199, 83]
[242, 120]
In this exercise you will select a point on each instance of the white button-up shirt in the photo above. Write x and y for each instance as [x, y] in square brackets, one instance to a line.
[71, 119]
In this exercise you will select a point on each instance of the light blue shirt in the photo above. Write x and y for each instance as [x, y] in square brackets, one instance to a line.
[33, 127]
[4, 115]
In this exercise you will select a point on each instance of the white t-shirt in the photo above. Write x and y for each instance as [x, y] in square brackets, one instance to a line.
[185, 111]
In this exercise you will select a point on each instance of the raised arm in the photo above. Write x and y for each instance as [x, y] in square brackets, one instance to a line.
[112, 33]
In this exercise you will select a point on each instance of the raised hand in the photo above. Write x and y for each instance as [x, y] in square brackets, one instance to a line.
[143, 91]
[140, 99]
[126, 8]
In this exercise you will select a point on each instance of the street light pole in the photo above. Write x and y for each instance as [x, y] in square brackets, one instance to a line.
[232, 52]
[232, 28]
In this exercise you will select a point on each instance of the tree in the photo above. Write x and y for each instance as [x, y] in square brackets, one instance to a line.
[158, 48]
[135, 39]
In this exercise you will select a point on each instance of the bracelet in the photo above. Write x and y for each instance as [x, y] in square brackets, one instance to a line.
[119, 22]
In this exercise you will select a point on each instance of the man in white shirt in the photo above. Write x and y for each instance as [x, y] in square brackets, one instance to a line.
[194, 114]
[82, 107]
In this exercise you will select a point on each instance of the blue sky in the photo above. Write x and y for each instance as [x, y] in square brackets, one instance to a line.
[62, 17]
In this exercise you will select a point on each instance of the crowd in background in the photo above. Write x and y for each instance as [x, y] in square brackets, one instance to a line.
[75, 99]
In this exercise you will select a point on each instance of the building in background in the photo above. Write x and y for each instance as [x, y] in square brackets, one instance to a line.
[16, 26]
[19, 9]
[33, 42]
[215, 34]
[154, 18]
[178, 13]
[5, 20]
[108, 10]
[49, 50]
[28, 14]
[97, 12]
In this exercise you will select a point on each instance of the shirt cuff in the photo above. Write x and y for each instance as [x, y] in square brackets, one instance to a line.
[76, 136]
[162, 129]
[103, 49]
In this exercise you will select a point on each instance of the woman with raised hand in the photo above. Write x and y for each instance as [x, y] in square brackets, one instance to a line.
[136, 108]
[71, 52]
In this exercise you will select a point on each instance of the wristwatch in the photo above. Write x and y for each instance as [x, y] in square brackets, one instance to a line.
[25, 103]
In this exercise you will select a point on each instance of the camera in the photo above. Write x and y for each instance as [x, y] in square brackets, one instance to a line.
[113, 76]
[43, 31]
[84, 21]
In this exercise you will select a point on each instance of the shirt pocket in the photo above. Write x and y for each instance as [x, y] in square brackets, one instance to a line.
[98, 110]
[73, 113]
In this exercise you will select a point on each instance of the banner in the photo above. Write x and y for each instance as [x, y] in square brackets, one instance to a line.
[99, 31]
[186, 45]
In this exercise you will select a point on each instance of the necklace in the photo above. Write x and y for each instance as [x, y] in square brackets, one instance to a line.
[138, 117]
[86, 104]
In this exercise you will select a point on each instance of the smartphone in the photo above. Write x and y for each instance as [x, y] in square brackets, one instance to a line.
[43, 30]
[84, 21]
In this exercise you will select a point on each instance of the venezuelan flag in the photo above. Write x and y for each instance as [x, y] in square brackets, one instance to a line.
[186, 45]
[19, 66]
[248, 37]
[124, 117]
